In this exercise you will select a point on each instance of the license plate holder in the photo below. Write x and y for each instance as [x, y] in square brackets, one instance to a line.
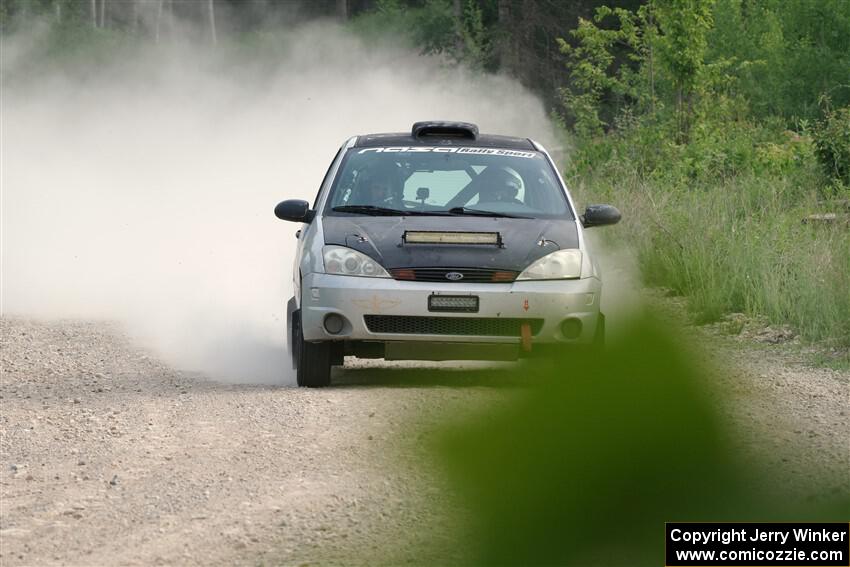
[453, 303]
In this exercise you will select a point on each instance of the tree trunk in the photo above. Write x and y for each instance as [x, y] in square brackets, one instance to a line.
[650, 43]
[170, 19]
[211, 11]
[680, 114]
[158, 20]
[103, 13]
[504, 43]
[457, 12]
[134, 23]
[524, 42]
[58, 8]
[342, 10]
[94, 13]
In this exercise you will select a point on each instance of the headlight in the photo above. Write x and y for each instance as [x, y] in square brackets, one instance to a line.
[348, 262]
[560, 265]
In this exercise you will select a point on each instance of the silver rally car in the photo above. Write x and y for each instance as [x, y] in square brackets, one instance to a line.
[440, 244]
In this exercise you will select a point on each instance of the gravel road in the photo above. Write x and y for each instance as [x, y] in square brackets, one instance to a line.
[109, 456]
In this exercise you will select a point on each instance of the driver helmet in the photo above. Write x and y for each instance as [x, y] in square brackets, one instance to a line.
[501, 185]
[381, 186]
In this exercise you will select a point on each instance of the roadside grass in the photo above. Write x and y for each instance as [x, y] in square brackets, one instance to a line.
[835, 361]
[739, 244]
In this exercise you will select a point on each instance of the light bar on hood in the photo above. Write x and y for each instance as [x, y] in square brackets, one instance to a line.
[423, 237]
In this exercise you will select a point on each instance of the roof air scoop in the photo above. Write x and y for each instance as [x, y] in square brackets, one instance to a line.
[440, 129]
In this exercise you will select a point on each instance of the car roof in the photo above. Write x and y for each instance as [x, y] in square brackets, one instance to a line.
[443, 133]
[483, 141]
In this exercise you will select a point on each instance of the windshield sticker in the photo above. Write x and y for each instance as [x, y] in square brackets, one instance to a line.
[450, 150]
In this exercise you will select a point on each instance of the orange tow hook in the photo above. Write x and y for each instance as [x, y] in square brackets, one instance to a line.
[525, 333]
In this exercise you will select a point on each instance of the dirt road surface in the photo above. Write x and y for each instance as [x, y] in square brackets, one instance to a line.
[110, 457]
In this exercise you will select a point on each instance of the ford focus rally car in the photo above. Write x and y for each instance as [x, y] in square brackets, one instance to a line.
[440, 244]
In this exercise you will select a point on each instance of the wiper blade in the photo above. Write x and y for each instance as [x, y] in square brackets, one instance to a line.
[480, 213]
[428, 213]
[375, 210]
[369, 210]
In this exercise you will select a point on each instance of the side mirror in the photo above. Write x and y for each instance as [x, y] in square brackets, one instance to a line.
[600, 215]
[294, 210]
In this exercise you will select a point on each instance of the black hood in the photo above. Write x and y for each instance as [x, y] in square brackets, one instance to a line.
[382, 239]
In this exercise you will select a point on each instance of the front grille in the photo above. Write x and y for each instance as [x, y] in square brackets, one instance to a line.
[412, 325]
[470, 275]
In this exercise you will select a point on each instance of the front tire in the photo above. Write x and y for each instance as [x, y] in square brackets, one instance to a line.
[312, 360]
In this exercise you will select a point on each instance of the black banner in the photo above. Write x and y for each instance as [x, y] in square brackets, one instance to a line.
[762, 545]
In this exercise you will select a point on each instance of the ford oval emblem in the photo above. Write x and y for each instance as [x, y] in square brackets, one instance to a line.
[454, 276]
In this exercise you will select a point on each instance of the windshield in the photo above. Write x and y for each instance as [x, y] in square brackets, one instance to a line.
[447, 180]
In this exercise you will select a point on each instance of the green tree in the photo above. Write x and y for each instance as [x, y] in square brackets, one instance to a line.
[596, 71]
[683, 41]
[799, 50]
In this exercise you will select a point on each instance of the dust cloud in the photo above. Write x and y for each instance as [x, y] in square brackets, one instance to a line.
[142, 189]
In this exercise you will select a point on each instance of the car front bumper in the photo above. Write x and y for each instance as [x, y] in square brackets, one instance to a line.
[545, 303]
